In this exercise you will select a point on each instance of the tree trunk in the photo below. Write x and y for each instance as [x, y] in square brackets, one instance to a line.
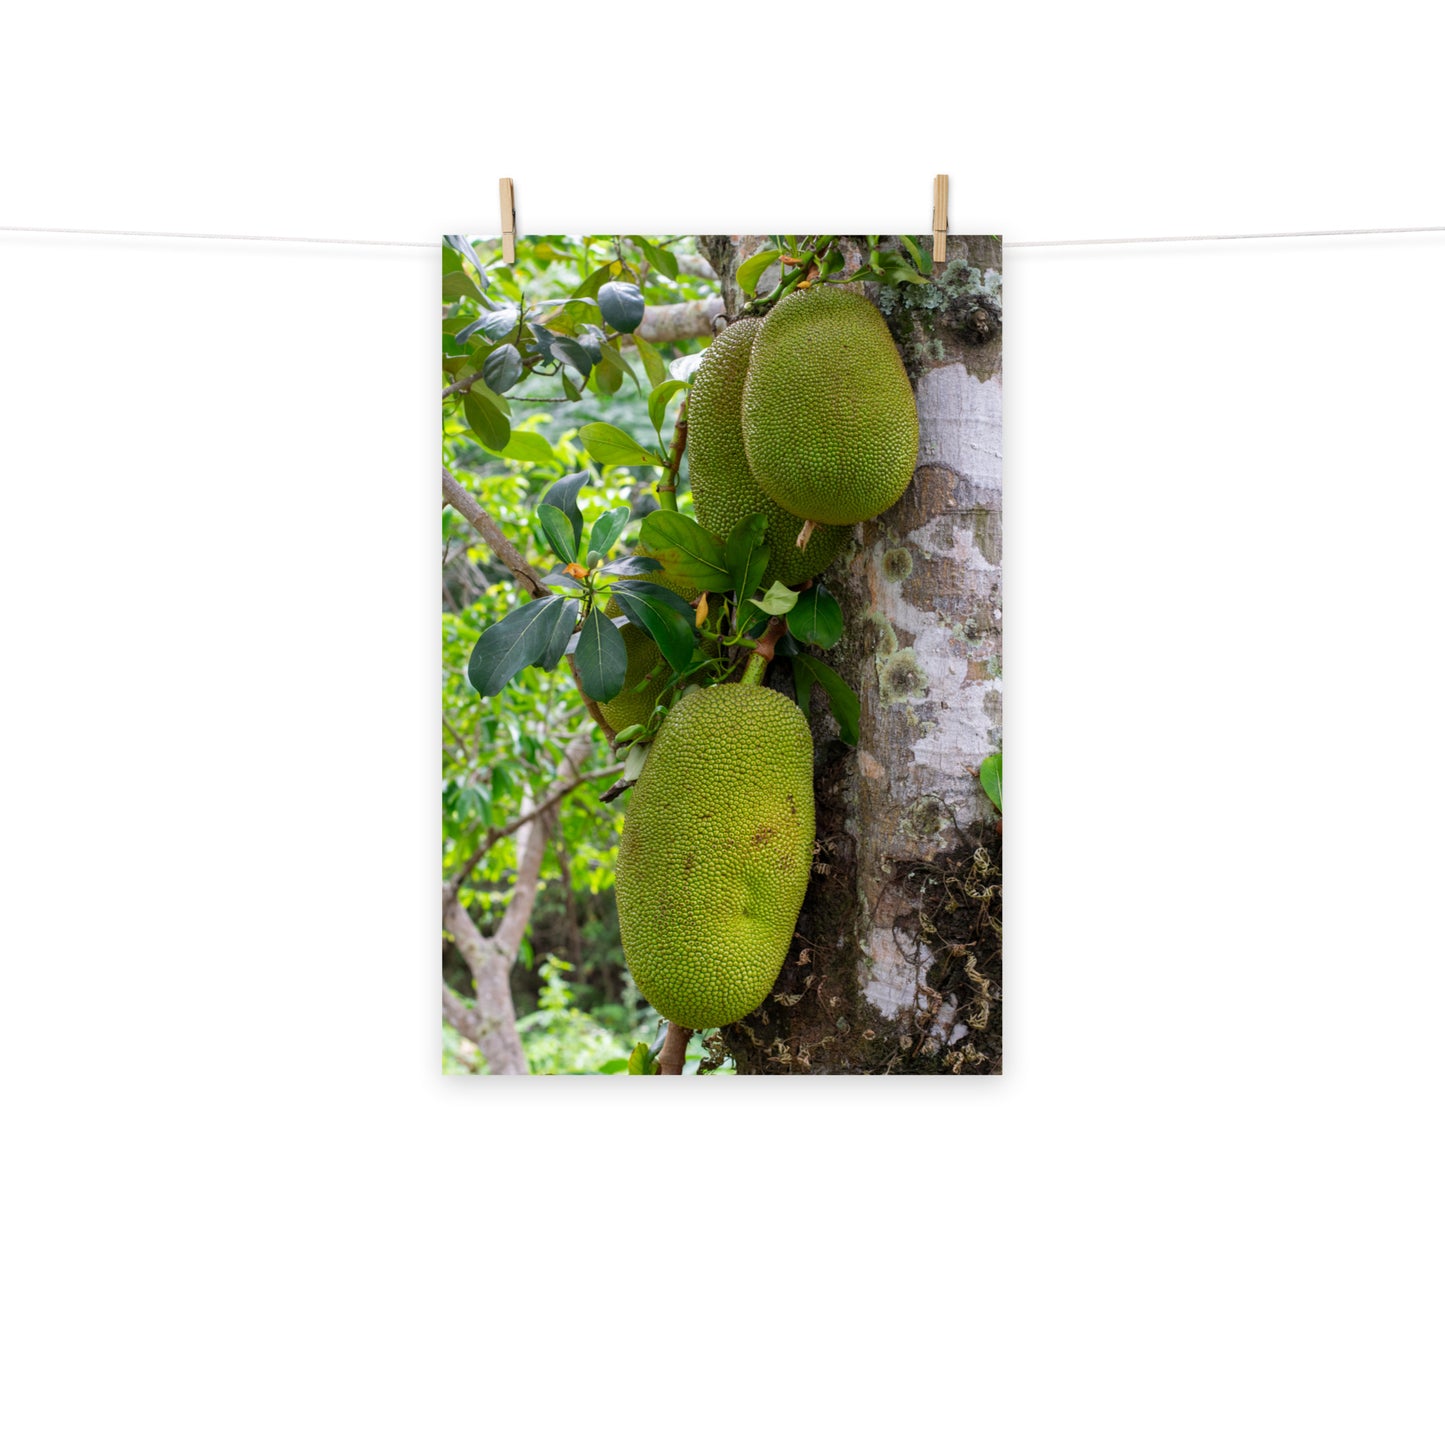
[896, 967]
[492, 1023]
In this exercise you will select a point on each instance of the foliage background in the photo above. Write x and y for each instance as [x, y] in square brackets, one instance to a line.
[578, 1009]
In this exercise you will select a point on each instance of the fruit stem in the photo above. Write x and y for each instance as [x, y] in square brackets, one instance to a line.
[762, 654]
[674, 1049]
[667, 487]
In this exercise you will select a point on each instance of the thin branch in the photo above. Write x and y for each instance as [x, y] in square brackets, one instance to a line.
[555, 796]
[457, 495]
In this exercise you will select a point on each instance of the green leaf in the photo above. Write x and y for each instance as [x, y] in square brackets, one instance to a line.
[563, 495]
[631, 567]
[561, 634]
[747, 554]
[686, 551]
[658, 258]
[641, 603]
[841, 698]
[614, 357]
[613, 1066]
[622, 305]
[607, 374]
[517, 641]
[502, 369]
[611, 446]
[990, 775]
[531, 447]
[594, 283]
[570, 350]
[485, 420]
[751, 271]
[557, 528]
[636, 758]
[456, 284]
[817, 618]
[922, 259]
[641, 1061]
[601, 658]
[778, 600]
[652, 362]
[607, 529]
[658, 400]
[570, 387]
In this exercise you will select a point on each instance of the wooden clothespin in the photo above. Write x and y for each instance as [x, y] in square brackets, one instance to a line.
[940, 219]
[509, 221]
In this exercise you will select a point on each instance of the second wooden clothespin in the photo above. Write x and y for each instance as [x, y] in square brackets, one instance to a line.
[509, 221]
[940, 219]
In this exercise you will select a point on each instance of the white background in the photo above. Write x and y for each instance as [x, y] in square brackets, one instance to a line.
[1204, 1202]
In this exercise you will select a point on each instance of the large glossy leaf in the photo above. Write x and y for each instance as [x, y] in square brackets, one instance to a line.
[570, 350]
[622, 305]
[558, 531]
[631, 567]
[610, 446]
[644, 604]
[485, 419]
[652, 362]
[561, 634]
[751, 271]
[495, 325]
[529, 446]
[502, 369]
[841, 698]
[601, 657]
[747, 553]
[607, 529]
[686, 550]
[816, 618]
[517, 641]
[658, 399]
[563, 495]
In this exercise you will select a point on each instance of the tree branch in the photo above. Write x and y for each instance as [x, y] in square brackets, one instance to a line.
[674, 1049]
[582, 741]
[457, 496]
[680, 321]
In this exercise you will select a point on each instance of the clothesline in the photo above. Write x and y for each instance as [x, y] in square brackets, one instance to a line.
[436, 245]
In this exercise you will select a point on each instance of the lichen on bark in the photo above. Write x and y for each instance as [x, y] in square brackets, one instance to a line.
[896, 966]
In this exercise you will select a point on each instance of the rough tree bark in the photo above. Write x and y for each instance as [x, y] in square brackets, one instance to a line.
[896, 966]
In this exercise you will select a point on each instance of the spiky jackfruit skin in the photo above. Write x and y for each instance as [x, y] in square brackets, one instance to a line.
[723, 488]
[715, 854]
[829, 422]
[643, 658]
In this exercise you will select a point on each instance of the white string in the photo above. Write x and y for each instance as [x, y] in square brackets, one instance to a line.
[436, 245]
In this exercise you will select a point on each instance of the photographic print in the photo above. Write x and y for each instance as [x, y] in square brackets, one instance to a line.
[722, 765]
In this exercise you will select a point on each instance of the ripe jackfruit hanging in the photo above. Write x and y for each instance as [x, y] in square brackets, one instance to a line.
[829, 422]
[723, 488]
[715, 854]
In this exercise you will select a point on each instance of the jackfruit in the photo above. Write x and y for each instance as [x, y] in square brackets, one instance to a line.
[715, 854]
[644, 660]
[829, 422]
[723, 488]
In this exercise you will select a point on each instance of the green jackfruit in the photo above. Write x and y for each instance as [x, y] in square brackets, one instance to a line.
[644, 660]
[829, 422]
[716, 852]
[723, 489]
